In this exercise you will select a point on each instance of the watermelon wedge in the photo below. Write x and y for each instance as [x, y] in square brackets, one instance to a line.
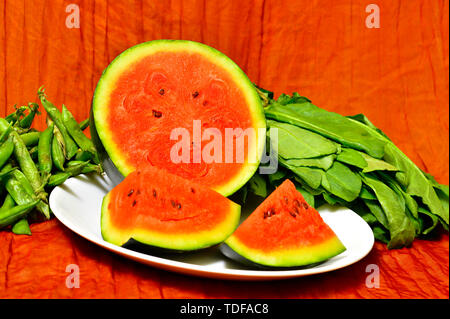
[154, 88]
[159, 209]
[284, 231]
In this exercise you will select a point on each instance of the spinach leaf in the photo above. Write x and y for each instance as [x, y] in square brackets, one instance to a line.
[331, 125]
[410, 202]
[381, 234]
[442, 191]
[363, 119]
[377, 211]
[295, 142]
[306, 195]
[257, 185]
[366, 193]
[311, 176]
[334, 200]
[277, 177]
[414, 181]
[352, 157]
[314, 191]
[379, 231]
[410, 177]
[324, 162]
[339, 180]
[374, 164]
[295, 98]
[401, 229]
[429, 220]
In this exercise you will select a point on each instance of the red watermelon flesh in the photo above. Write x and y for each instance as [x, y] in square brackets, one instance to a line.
[284, 231]
[162, 85]
[160, 209]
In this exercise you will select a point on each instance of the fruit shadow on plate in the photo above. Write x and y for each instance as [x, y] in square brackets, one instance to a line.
[206, 257]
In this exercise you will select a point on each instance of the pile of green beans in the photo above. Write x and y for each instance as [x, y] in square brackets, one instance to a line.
[33, 162]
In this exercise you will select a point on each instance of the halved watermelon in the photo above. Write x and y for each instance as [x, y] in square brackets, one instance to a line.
[284, 231]
[155, 87]
[163, 210]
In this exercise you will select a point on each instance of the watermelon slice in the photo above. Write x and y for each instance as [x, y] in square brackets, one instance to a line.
[284, 231]
[158, 86]
[163, 210]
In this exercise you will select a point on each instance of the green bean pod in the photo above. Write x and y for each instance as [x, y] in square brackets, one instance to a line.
[45, 150]
[76, 167]
[15, 213]
[28, 120]
[83, 156]
[23, 157]
[34, 153]
[77, 134]
[57, 135]
[24, 181]
[57, 155]
[87, 168]
[6, 150]
[31, 138]
[21, 191]
[7, 203]
[28, 168]
[14, 116]
[5, 133]
[58, 179]
[17, 191]
[73, 168]
[21, 227]
[6, 170]
[55, 115]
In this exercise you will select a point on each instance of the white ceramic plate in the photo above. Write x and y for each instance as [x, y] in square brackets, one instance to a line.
[77, 202]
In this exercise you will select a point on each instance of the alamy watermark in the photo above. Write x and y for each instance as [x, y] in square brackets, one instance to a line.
[373, 19]
[232, 145]
[73, 279]
[73, 17]
[373, 277]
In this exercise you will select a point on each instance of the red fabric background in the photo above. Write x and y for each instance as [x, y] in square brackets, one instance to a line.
[397, 75]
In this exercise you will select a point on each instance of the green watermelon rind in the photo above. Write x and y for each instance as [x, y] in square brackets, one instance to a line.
[171, 242]
[118, 65]
[288, 257]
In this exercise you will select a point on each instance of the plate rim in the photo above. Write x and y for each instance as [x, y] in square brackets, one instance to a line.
[193, 269]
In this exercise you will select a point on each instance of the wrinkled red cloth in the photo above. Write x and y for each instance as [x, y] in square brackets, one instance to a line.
[396, 74]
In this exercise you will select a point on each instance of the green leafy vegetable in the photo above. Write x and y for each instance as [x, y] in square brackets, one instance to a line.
[339, 180]
[348, 161]
[328, 124]
[295, 142]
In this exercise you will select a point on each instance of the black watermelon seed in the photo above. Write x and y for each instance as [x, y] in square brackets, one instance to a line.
[269, 213]
[174, 204]
[161, 92]
[130, 192]
[134, 203]
[286, 200]
[154, 193]
[192, 190]
[178, 206]
[305, 206]
[195, 94]
[156, 114]
[292, 214]
[296, 202]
